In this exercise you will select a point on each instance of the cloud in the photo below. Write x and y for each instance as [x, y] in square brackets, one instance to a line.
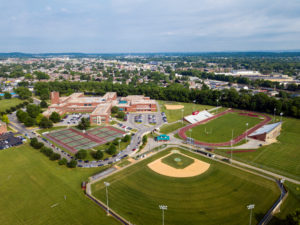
[149, 25]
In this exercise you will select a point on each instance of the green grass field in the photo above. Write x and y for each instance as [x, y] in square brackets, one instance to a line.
[168, 128]
[174, 115]
[219, 196]
[31, 184]
[177, 161]
[282, 157]
[7, 103]
[220, 129]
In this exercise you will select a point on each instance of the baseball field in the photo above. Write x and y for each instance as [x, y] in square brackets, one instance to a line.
[217, 196]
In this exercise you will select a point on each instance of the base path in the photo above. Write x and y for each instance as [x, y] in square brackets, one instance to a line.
[196, 168]
[183, 130]
[174, 107]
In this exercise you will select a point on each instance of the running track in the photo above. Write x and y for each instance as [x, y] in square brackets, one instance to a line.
[183, 130]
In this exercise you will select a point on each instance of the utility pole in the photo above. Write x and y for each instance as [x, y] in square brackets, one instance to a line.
[250, 207]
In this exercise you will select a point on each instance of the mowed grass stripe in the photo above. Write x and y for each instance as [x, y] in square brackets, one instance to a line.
[218, 196]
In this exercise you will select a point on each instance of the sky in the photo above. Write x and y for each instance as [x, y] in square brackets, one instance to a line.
[118, 26]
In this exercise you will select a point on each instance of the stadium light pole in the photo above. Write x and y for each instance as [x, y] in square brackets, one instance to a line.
[274, 114]
[163, 208]
[106, 187]
[119, 144]
[246, 132]
[231, 146]
[217, 105]
[281, 114]
[182, 114]
[250, 207]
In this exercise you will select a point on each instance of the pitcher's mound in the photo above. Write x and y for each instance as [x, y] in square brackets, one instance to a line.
[196, 168]
[173, 107]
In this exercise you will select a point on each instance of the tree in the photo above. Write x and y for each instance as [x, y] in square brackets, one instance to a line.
[126, 138]
[120, 115]
[39, 118]
[72, 163]
[29, 122]
[55, 156]
[46, 123]
[43, 104]
[98, 155]
[23, 92]
[5, 119]
[7, 95]
[41, 75]
[63, 161]
[22, 116]
[33, 110]
[81, 154]
[111, 149]
[54, 117]
[84, 124]
[145, 138]
[294, 217]
[114, 109]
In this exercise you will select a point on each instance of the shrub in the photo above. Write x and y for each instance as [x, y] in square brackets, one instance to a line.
[63, 161]
[55, 156]
[72, 163]
[111, 150]
[126, 138]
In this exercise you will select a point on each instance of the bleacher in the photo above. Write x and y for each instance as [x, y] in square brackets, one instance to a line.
[198, 116]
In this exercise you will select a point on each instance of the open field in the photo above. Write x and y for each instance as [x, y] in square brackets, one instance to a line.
[32, 191]
[219, 196]
[7, 103]
[282, 157]
[220, 129]
[174, 115]
[168, 128]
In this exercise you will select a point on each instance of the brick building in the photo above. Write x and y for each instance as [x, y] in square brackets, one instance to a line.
[3, 127]
[99, 107]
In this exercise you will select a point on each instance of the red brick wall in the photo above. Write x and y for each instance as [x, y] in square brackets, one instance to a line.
[3, 128]
[54, 97]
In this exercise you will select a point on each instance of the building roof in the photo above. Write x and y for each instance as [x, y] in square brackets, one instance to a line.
[198, 116]
[102, 109]
[265, 129]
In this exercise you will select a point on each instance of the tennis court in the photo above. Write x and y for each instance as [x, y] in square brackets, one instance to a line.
[74, 140]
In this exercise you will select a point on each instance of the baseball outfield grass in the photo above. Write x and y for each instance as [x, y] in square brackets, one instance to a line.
[7, 103]
[220, 129]
[177, 161]
[33, 191]
[219, 196]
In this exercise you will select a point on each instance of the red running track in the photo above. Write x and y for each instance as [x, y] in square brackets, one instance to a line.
[183, 130]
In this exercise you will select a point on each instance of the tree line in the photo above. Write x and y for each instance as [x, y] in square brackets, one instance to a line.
[177, 92]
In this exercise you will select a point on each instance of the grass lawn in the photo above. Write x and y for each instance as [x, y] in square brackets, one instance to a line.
[282, 157]
[174, 115]
[220, 129]
[40, 131]
[7, 103]
[31, 184]
[168, 128]
[177, 161]
[218, 196]
[124, 163]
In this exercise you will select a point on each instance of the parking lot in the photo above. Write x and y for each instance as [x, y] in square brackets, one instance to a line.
[73, 119]
[8, 140]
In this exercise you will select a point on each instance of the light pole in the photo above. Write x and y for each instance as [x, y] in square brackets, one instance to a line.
[119, 144]
[106, 186]
[182, 115]
[246, 131]
[231, 146]
[274, 114]
[163, 208]
[217, 105]
[281, 114]
[250, 207]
